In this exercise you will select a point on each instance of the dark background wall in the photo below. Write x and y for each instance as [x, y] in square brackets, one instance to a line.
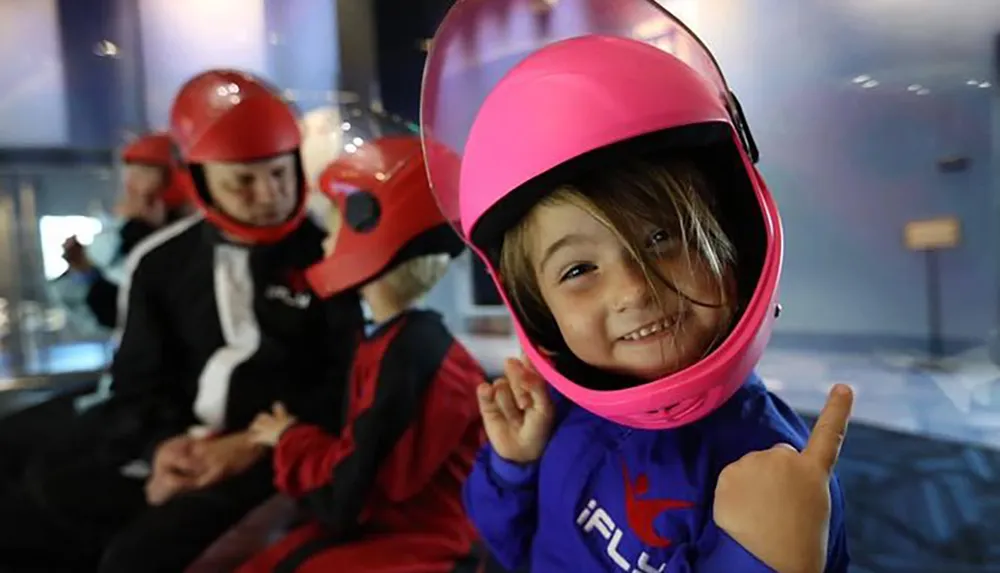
[402, 29]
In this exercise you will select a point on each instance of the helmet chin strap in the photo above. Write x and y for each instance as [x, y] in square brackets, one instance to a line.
[242, 233]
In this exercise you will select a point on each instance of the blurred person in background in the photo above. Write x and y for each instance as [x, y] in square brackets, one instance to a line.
[156, 192]
[218, 324]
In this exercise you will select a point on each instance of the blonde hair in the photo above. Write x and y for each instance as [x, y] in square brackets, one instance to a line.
[673, 196]
[413, 279]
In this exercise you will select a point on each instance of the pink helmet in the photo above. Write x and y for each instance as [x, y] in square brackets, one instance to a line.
[583, 92]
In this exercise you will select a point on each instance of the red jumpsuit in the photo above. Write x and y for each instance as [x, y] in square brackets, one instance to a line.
[386, 494]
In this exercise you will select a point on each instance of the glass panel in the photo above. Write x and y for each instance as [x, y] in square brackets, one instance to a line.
[50, 328]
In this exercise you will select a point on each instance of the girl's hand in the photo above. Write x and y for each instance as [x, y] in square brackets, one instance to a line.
[517, 413]
[776, 503]
[267, 428]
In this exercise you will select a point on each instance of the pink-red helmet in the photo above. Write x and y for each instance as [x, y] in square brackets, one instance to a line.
[522, 105]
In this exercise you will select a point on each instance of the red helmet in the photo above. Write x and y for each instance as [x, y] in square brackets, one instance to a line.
[158, 149]
[180, 191]
[231, 116]
[388, 214]
[151, 149]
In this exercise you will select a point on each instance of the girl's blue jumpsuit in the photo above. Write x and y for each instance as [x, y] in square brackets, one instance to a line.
[609, 498]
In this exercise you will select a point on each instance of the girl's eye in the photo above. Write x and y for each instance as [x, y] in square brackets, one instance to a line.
[576, 271]
[657, 236]
[660, 241]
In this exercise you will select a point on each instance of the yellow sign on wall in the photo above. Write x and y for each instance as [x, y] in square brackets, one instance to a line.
[933, 234]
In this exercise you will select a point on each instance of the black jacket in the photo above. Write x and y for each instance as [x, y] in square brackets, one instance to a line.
[102, 297]
[215, 332]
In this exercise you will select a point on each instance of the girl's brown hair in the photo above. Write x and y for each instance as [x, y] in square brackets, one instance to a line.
[673, 196]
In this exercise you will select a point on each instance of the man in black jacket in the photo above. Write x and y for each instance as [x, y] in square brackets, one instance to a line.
[218, 324]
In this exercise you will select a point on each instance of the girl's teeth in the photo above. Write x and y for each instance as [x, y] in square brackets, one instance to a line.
[647, 330]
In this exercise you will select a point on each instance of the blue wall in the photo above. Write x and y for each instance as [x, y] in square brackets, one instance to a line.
[850, 165]
[304, 54]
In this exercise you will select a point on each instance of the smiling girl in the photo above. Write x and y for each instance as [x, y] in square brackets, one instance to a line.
[609, 186]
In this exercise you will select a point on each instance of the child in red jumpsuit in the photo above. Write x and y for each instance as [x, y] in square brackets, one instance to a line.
[384, 495]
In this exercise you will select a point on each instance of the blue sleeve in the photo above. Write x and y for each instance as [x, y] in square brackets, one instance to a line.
[501, 499]
[728, 555]
[87, 277]
[725, 555]
[837, 556]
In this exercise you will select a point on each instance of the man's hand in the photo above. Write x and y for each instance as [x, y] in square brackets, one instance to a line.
[160, 488]
[175, 470]
[776, 503]
[225, 457]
